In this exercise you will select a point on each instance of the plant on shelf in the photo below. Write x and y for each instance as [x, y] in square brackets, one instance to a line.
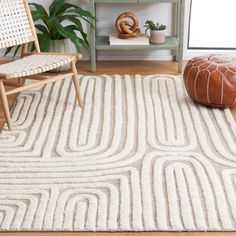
[157, 31]
[60, 28]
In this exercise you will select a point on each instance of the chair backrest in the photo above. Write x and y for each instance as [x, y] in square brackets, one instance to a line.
[16, 25]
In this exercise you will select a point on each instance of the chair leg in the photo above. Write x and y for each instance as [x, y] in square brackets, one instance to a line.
[5, 106]
[76, 84]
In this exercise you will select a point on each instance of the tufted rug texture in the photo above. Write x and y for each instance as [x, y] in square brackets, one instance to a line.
[141, 156]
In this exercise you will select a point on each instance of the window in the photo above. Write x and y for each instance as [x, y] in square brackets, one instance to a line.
[212, 24]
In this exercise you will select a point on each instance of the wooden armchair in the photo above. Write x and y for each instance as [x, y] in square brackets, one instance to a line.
[17, 28]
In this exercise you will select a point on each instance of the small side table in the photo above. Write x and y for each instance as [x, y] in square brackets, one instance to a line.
[172, 42]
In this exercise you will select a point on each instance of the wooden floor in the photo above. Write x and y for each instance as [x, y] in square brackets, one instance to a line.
[130, 67]
[122, 67]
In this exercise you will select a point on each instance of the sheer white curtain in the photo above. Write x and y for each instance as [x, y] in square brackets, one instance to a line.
[212, 24]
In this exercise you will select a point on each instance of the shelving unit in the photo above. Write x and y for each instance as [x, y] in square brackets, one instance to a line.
[172, 42]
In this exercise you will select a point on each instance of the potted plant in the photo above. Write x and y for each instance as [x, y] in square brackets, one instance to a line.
[157, 31]
[60, 28]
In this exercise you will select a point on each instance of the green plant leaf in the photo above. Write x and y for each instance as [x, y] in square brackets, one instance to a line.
[37, 15]
[8, 50]
[42, 29]
[57, 29]
[90, 23]
[84, 41]
[64, 8]
[150, 25]
[16, 50]
[55, 7]
[33, 46]
[72, 36]
[40, 9]
[82, 13]
[44, 41]
[76, 21]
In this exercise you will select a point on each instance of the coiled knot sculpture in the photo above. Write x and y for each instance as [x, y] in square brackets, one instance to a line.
[127, 29]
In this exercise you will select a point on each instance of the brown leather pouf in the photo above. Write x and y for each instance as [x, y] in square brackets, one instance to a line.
[211, 80]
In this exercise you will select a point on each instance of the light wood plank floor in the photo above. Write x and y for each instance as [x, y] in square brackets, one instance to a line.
[122, 67]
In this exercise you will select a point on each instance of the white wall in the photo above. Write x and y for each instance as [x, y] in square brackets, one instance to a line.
[107, 13]
[190, 53]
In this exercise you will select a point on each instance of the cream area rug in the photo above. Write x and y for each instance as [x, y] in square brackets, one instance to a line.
[141, 156]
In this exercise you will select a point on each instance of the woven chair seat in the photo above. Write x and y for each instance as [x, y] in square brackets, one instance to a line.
[34, 64]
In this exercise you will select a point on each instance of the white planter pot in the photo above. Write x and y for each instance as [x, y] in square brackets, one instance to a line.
[157, 36]
[60, 46]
